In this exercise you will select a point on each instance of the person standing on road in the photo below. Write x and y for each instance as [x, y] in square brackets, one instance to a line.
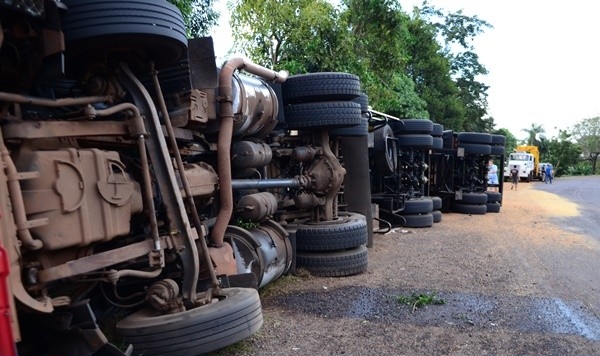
[492, 173]
[549, 174]
[514, 177]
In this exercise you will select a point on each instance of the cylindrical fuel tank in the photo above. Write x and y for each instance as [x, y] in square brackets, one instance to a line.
[257, 207]
[248, 154]
[255, 108]
[265, 250]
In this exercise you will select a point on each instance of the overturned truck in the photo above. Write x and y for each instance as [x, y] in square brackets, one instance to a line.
[146, 193]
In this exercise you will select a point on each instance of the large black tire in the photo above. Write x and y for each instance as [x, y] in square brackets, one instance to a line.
[499, 140]
[194, 331]
[334, 264]
[437, 130]
[326, 86]
[361, 129]
[155, 27]
[418, 206]
[385, 152]
[474, 137]
[469, 208]
[476, 148]
[323, 115]
[437, 216]
[418, 220]
[437, 202]
[418, 141]
[493, 196]
[497, 150]
[493, 207]
[473, 198]
[438, 143]
[363, 100]
[411, 126]
[348, 232]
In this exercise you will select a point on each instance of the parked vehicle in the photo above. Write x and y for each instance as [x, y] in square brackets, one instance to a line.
[147, 193]
[526, 158]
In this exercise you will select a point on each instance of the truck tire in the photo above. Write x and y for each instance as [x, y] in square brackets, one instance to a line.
[497, 150]
[325, 86]
[469, 208]
[473, 198]
[195, 331]
[499, 140]
[493, 207]
[334, 264]
[411, 126]
[350, 232]
[493, 196]
[415, 141]
[474, 137]
[322, 115]
[418, 220]
[152, 26]
[437, 216]
[385, 150]
[418, 206]
[437, 130]
[437, 202]
[476, 148]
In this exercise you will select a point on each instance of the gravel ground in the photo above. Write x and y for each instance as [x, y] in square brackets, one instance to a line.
[513, 282]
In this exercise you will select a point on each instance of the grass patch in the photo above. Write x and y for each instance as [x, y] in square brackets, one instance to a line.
[420, 300]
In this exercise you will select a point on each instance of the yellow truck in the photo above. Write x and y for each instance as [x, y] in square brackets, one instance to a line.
[527, 160]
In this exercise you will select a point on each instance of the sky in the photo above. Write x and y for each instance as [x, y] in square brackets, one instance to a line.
[543, 59]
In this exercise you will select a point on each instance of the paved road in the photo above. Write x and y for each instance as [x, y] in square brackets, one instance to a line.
[583, 191]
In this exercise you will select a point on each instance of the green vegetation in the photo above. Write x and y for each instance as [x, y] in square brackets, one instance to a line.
[420, 300]
[199, 16]
[413, 63]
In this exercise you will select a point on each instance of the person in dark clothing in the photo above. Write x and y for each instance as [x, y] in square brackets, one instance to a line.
[549, 173]
[514, 177]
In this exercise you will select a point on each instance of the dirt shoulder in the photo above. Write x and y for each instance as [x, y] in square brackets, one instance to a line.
[511, 283]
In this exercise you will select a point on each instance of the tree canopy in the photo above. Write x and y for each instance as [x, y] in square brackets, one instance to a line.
[587, 135]
[403, 67]
[199, 16]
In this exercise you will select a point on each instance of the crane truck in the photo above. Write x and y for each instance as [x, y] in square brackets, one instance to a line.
[526, 158]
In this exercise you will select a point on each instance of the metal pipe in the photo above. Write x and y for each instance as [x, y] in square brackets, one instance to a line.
[189, 198]
[54, 103]
[16, 199]
[225, 137]
[266, 183]
[114, 275]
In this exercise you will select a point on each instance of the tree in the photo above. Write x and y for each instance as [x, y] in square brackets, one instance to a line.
[457, 32]
[533, 134]
[290, 33]
[199, 16]
[379, 30]
[563, 153]
[587, 135]
[430, 71]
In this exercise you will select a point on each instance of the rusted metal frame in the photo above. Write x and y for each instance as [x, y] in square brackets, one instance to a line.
[167, 183]
[53, 103]
[96, 261]
[334, 173]
[44, 129]
[189, 198]
[226, 133]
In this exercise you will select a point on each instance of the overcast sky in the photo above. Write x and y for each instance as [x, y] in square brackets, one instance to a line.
[543, 59]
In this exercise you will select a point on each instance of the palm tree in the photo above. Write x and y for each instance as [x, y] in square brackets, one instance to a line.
[533, 133]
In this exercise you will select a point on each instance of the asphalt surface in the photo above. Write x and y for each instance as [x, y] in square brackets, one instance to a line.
[583, 191]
